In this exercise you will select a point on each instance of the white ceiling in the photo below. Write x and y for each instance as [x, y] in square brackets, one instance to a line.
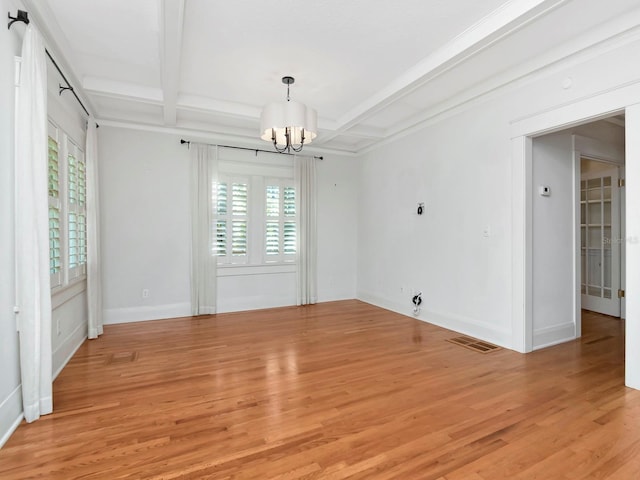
[371, 68]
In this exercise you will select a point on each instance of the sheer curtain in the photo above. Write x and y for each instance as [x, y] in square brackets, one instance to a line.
[94, 281]
[305, 177]
[204, 172]
[33, 285]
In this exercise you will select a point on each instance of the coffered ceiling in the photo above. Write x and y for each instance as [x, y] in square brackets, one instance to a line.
[371, 68]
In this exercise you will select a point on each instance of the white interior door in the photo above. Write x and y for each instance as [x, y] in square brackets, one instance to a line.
[600, 241]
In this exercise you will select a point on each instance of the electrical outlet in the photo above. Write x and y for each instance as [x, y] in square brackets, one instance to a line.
[145, 293]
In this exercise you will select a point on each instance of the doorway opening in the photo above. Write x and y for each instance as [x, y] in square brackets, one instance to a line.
[577, 220]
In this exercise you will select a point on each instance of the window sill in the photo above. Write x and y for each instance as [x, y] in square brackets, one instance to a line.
[61, 295]
[241, 270]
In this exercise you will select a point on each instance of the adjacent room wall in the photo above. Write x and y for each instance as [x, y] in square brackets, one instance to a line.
[459, 163]
[144, 182]
[10, 396]
[553, 240]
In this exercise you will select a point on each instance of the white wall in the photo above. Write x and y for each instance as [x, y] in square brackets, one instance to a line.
[69, 325]
[459, 168]
[553, 240]
[145, 226]
[144, 182]
[10, 396]
[338, 187]
[459, 163]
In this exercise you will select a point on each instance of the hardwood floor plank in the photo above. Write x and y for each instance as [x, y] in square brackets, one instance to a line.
[341, 390]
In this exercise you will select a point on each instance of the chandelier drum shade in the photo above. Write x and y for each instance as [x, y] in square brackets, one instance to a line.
[288, 125]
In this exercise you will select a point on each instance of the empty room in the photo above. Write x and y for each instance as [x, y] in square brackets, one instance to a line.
[320, 240]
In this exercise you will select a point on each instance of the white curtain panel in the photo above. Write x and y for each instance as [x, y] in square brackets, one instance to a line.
[94, 278]
[305, 176]
[204, 172]
[33, 285]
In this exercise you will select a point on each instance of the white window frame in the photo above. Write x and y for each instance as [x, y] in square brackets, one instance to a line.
[67, 276]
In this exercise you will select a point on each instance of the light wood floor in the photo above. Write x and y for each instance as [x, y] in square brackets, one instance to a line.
[333, 391]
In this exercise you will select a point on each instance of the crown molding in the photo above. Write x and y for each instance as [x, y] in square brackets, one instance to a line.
[214, 137]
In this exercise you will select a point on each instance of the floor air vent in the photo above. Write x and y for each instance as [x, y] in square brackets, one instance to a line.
[122, 357]
[474, 344]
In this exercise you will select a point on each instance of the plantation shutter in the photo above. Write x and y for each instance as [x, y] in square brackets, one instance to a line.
[239, 222]
[77, 204]
[55, 261]
[230, 224]
[289, 225]
[280, 225]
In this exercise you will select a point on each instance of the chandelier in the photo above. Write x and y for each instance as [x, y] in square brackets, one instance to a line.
[288, 125]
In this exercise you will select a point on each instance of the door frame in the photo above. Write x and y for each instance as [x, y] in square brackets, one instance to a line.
[588, 109]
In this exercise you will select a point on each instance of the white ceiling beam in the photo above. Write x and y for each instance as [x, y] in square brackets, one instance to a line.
[171, 30]
[197, 103]
[504, 21]
[105, 87]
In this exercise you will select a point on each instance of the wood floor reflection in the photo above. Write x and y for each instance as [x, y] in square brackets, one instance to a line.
[340, 390]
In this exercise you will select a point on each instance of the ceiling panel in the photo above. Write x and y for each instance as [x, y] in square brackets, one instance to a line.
[340, 52]
[116, 39]
[126, 110]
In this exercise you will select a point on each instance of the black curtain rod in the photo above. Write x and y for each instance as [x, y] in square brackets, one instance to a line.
[183, 141]
[68, 87]
[23, 17]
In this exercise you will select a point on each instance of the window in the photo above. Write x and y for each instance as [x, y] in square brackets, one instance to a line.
[230, 220]
[280, 221]
[55, 262]
[255, 209]
[76, 208]
[67, 208]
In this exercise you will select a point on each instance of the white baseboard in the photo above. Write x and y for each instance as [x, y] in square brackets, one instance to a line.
[258, 302]
[113, 316]
[336, 297]
[10, 414]
[68, 348]
[225, 305]
[457, 323]
[549, 336]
